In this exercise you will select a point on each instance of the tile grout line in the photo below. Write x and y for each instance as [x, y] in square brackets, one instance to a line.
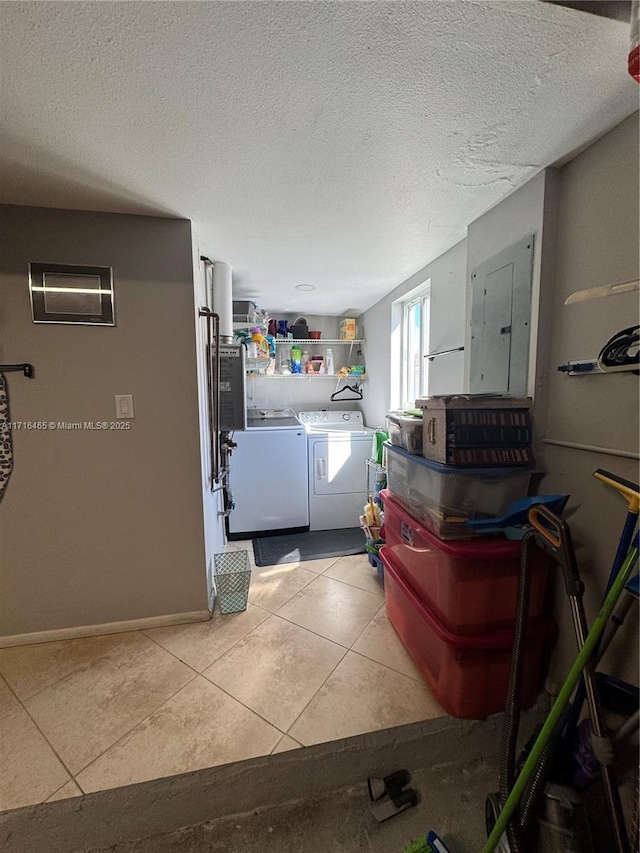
[72, 775]
[73, 671]
[52, 748]
[72, 779]
[387, 666]
[247, 708]
[301, 627]
[197, 671]
[347, 650]
[128, 732]
[42, 734]
[140, 722]
[351, 585]
[311, 631]
[13, 693]
[315, 576]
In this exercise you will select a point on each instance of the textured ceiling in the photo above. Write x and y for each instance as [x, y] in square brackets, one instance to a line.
[339, 144]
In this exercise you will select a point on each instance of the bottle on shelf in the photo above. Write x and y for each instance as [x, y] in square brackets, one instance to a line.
[328, 361]
[261, 342]
[296, 359]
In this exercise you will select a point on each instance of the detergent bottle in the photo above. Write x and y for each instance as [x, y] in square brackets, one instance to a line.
[296, 359]
[261, 342]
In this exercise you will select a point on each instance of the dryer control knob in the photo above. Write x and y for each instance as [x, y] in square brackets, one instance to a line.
[346, 416]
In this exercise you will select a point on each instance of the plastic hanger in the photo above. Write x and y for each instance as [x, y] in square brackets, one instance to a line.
[354, 389]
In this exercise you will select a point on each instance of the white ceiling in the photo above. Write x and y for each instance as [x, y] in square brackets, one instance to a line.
[339, 144]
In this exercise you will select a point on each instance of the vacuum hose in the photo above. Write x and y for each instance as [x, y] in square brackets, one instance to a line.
[514, 694]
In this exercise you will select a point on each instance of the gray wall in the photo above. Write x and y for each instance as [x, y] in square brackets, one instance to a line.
[447, 274]
[100, 527]
[597, 243]
[516, 216]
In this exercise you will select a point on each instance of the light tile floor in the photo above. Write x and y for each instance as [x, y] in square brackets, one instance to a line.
[312, 659]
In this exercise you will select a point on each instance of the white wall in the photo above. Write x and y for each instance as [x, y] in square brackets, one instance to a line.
[447, 274]
[100, 527]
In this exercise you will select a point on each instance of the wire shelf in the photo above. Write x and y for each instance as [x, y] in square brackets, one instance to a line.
[352, 377]
[320, 341]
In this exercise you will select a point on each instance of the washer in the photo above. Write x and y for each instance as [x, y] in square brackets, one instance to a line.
[339, 446]
[273, 449]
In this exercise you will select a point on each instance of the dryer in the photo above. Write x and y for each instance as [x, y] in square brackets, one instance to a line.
[339, 446]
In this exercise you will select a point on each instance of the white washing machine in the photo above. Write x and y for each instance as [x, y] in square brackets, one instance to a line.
[339, 446]
[273, 447]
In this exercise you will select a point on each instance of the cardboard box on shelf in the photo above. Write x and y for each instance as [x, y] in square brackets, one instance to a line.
[348, 329]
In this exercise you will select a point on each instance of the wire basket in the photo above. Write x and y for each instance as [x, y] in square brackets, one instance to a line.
[232, 578]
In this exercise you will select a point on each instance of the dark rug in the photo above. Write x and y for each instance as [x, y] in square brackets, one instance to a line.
[312, 545]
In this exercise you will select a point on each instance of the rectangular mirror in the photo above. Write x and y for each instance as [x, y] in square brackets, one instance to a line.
[70, 293]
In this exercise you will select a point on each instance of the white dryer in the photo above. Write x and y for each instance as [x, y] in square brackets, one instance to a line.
[339, 446]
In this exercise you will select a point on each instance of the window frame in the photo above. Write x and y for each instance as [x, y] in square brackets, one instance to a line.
[402, 373]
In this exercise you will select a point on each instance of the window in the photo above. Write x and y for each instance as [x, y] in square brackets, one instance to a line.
[410, 345]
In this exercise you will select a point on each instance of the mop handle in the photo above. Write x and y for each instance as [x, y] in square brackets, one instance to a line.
[563, 697]
[626, 488]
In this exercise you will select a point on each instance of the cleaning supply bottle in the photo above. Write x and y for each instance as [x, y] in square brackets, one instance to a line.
[379, 437]
[328, 362]
[296, 359]
[261, 342]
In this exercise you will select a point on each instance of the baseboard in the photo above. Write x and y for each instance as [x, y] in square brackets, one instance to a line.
[104, 628]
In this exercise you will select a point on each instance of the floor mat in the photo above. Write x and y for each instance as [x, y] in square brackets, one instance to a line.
[313, 545]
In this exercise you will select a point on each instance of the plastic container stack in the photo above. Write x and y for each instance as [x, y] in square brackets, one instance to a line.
[451, 596]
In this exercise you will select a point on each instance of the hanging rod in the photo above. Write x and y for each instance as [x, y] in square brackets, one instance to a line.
[431, 355]
[27, 369]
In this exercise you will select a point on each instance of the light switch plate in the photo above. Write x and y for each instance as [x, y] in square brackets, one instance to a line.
[124, 406]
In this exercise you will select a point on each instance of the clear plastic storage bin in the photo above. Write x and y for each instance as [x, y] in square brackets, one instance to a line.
[442, 497]
[405, 432]
[232, 576]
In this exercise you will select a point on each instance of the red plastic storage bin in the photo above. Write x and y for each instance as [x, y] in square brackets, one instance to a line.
[468, 674]
[471, 585]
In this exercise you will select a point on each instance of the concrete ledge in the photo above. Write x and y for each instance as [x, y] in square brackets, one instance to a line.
[164, 805]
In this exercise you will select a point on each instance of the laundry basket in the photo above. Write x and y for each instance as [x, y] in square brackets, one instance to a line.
[232, 578]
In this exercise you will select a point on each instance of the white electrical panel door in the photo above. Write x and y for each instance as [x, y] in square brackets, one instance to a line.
[501, 321]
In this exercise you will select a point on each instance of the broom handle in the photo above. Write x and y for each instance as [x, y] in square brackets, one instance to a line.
[563, 697]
